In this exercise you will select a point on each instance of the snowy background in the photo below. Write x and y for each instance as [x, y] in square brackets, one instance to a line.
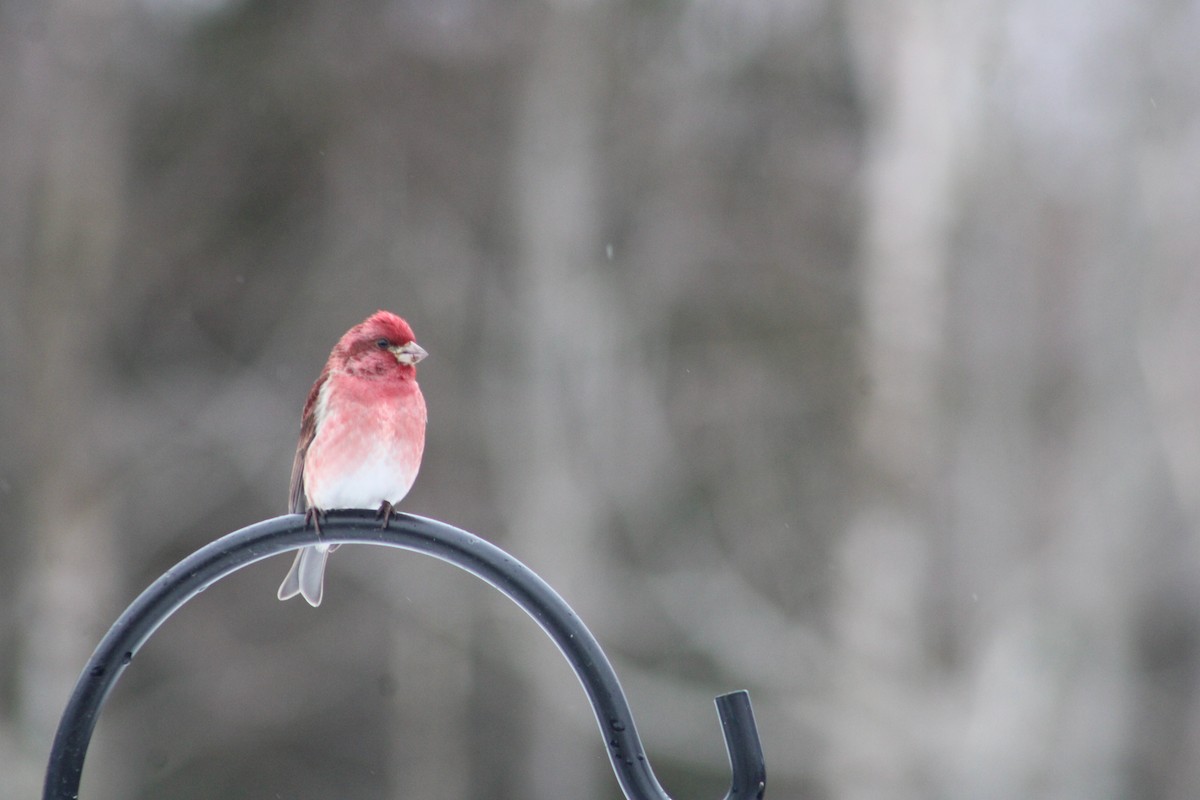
[845, 352]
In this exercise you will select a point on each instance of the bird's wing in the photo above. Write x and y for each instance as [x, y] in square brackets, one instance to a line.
[308, 431]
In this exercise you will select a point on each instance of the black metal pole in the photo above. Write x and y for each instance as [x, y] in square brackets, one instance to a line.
[482, 559]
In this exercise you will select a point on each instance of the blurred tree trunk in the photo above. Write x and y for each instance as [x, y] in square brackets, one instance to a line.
[565, 337]
[1049, 442]
[1169, 301]
[75, 184]
[1008, 425]
[916, 62]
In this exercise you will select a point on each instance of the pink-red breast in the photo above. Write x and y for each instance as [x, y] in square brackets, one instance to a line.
[362, 434]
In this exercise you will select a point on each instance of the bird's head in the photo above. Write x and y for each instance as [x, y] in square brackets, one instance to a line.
[382, 344]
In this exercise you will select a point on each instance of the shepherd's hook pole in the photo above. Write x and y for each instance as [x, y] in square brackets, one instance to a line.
[478, 557]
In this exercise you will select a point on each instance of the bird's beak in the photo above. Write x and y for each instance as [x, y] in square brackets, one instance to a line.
[409, 353]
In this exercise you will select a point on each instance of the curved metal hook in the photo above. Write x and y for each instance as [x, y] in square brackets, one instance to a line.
[482, 559]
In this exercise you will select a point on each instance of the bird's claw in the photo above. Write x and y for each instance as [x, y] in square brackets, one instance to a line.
[385, 513]
[313, 517]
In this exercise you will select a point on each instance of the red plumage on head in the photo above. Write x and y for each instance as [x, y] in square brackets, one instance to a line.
[358, 350]
[382, 324]
[363, 336]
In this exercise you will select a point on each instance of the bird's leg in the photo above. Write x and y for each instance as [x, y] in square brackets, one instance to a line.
[385, 513]
[313, 517]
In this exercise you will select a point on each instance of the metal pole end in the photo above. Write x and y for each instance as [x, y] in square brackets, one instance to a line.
[745, 750]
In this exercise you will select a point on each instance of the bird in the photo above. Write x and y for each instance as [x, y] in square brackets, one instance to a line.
[362, 435]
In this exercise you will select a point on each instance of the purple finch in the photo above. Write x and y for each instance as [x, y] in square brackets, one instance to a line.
[361, 437]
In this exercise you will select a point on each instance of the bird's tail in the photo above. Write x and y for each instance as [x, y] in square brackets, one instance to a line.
[307, 575]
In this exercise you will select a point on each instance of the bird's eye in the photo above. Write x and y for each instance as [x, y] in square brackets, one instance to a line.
[382, 344]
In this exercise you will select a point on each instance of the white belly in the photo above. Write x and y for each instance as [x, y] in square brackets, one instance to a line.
[377, 477]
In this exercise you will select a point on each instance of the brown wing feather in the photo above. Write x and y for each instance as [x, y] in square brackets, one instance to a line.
[308, 431]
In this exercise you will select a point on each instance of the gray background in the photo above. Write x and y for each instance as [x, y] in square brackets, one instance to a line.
[843, 352]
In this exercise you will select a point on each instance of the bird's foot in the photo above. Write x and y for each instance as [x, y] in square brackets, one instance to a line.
[313, 517]
[385, 513]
